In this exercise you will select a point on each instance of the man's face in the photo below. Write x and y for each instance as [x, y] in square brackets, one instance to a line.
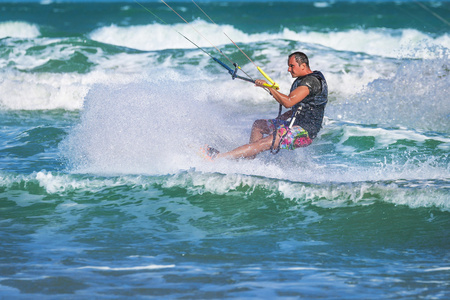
[295, 69]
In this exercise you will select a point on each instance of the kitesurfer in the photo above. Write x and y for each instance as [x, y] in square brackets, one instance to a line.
[295, 128]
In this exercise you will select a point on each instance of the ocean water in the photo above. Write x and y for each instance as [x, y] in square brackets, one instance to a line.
[103, 107]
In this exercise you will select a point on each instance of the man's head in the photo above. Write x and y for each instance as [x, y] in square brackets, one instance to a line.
[298, 64]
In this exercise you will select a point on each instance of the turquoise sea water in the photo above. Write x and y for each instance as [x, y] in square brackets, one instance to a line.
[102, 110]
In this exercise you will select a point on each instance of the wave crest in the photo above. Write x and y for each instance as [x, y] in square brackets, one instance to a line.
[16, 29]
[382, 42]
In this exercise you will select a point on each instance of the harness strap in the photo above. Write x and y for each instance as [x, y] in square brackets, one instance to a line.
[293, 118]
[295, 114]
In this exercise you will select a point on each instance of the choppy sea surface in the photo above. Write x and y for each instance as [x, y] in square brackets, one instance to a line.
[103, 107]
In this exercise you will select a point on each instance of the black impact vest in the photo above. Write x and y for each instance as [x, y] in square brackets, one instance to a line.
[312, 110]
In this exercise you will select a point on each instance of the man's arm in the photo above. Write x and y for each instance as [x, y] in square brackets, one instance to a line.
[287, 101]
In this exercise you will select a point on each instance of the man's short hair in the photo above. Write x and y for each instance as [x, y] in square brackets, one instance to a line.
[300, 58]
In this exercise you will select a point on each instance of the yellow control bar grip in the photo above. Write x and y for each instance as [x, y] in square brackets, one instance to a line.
[274, 85]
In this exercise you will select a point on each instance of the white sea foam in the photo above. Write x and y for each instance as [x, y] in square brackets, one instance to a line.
[23, 59]
[43, 91]
[438, 269]
[158, 36]
[384, 137]
[18, 29]
[137, 268]
[133, 129]
[350, 61]
[337, 190]
[379, 42]
[403, 98]
[122, 123]
[60, 183]
[324, 194]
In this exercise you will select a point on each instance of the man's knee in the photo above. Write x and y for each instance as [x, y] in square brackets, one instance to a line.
[264, 144]
[260, 124]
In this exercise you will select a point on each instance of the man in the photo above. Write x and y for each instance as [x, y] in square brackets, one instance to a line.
[307, 98]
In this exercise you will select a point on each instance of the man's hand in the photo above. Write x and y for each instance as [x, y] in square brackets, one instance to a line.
[260, 82]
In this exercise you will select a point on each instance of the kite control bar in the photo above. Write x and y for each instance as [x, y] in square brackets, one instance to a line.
[274, 84]
[232, 72]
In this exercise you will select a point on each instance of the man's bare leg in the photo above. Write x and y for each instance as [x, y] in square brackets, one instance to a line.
[250, 150]
[259, 129]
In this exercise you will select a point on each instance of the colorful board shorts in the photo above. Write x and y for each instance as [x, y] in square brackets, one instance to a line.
[291, 138]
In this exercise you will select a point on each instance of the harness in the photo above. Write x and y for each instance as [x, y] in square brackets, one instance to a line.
[301, 105]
